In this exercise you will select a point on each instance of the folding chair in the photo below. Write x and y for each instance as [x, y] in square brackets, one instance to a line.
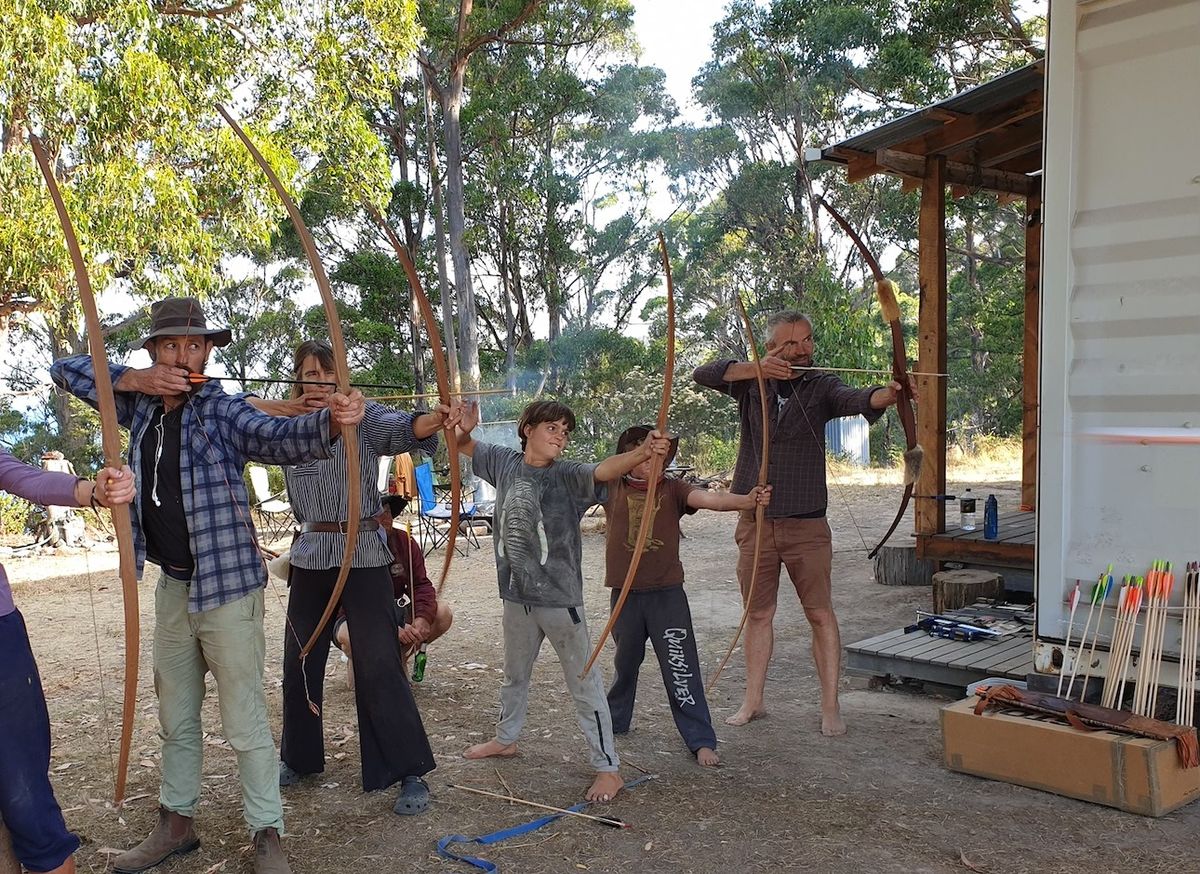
[434, 517]
[274, 514]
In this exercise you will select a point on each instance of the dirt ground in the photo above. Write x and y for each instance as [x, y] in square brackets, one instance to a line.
[784, 799]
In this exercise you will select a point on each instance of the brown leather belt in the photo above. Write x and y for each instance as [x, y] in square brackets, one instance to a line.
[336, 527]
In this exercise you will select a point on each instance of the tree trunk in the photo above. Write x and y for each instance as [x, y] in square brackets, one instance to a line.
[961, 588]
[549, 256]
[898, 565]
[439, 233]
[468, 329]
[411, 243]
[510, 332]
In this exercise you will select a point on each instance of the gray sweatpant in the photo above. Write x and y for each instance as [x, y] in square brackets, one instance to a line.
[524, 630]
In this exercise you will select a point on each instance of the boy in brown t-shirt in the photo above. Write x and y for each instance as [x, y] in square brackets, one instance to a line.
[657, 607]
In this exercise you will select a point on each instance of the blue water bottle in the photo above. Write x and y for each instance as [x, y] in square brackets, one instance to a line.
[991, 518]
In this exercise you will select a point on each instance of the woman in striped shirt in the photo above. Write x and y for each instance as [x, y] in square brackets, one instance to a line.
[392, 739]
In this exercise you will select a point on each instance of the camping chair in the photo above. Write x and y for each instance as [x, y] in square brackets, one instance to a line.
[274, 514]
[434, 517]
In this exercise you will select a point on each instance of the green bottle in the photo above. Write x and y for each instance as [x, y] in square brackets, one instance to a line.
[419, 660]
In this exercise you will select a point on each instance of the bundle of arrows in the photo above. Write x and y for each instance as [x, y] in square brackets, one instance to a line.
[1159, 584]
[1129, 602]
[1184, 703]
[1100, 590]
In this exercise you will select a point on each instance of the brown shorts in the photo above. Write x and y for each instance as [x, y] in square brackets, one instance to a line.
[803, 546]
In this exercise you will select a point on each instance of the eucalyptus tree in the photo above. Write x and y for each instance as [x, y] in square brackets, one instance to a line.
[123, 93]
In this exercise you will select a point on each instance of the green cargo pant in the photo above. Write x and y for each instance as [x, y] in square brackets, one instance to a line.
[229, 641]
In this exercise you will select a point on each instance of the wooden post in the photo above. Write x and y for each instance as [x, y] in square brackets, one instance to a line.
[1029, 391]
[931, 411]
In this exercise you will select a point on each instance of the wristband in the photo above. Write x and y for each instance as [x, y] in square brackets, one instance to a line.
[96, 505]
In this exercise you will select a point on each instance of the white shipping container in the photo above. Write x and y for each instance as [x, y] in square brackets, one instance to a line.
[1119, 470]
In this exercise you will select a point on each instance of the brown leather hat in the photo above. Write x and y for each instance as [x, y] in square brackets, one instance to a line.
[634, 435]
[179, 317]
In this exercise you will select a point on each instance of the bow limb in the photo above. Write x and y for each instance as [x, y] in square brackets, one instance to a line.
[111, 442]
[656, 467]
[341, 368]
[759, 510]
[885, 292]
[442, 367]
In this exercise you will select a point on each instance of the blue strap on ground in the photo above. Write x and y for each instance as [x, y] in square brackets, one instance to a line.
[514, 832]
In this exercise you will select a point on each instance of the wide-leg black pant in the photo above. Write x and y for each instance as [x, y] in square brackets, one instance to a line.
[392, 739]
[663, 615]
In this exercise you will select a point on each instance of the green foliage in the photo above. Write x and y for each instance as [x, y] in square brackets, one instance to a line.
[568, 143]
[14, 514]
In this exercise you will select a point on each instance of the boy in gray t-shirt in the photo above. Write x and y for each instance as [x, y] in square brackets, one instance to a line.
[539, 502]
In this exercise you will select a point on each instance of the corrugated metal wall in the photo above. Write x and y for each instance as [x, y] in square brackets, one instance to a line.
[849, 438]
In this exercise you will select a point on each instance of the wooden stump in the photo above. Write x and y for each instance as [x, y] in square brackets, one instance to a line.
[899, 566]
[954, 589]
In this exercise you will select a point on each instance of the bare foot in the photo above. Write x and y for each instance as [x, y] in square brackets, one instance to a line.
[832, 724]
[491, 749]
[707, 757]
[745, 714]
[605, 787]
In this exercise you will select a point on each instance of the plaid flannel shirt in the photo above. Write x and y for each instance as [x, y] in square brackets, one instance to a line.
[796, 460]
[220, 434]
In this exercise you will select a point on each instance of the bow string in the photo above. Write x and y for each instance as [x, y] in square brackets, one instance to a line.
[759, 510]
[885, 292]
[442, 368]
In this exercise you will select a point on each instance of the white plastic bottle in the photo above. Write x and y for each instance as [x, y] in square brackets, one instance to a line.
[966, 508]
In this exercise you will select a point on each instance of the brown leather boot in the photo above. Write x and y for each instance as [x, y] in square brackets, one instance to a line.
[268, 853]
[172, 836]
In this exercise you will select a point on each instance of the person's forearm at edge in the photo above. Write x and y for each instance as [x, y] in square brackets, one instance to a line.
[466, 443]
[738, 371]
[616, 466]
[292, 407]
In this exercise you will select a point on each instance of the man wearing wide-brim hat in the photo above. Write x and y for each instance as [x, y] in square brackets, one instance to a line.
[189, 442]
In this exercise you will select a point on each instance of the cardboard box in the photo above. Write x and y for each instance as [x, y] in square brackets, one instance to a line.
[1119, 770]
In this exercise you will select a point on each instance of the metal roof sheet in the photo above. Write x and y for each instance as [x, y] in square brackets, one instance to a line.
[990, 95]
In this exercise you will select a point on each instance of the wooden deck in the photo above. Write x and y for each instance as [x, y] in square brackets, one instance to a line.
[917, 655]
[1014, 547]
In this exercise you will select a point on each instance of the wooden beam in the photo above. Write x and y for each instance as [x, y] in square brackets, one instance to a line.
[940, 113]
[957, 174]
[1019, 555]
[861, 167]
[1029, 376]
[1012, 143]
[957, 133]
[931, 411]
